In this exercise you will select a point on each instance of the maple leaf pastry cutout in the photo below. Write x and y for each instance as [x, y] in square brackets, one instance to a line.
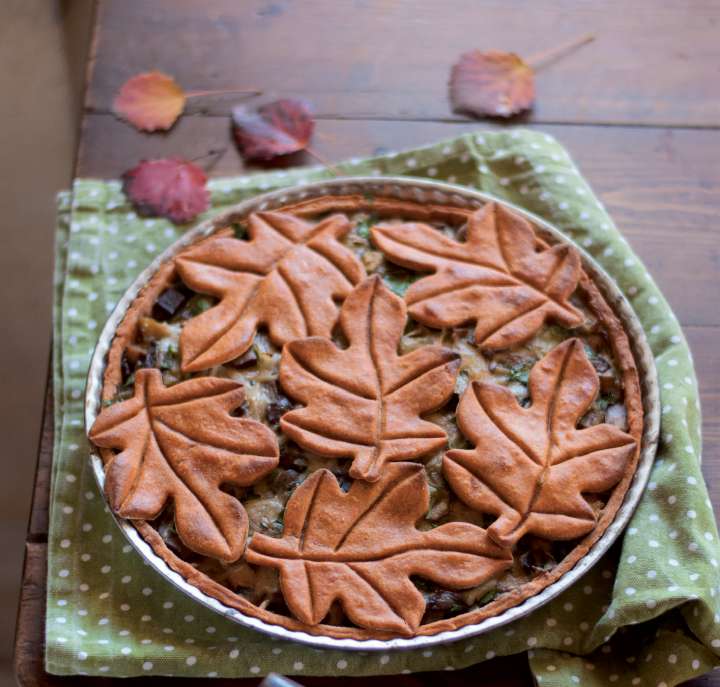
[496, 277]
[531, 467]
[365, 401]
[180, 443]
[361, 548]
[288, 277]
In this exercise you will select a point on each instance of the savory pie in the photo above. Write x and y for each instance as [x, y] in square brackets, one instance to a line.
[364, 417]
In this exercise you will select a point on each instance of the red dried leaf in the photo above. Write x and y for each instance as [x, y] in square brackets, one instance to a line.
[169, 187]
[151, 101]
[493, 83]
[278, 128]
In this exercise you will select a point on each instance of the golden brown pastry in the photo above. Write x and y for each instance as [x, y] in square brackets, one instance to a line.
[366, 417]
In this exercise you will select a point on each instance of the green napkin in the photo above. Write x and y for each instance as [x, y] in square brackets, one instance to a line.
[649, 613]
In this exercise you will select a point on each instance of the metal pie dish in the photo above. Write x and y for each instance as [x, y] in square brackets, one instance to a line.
[418, 191]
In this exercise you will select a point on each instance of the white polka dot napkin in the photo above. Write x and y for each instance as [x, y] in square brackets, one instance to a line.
[648, 614]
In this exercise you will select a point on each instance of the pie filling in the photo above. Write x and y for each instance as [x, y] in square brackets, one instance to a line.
[156, 345]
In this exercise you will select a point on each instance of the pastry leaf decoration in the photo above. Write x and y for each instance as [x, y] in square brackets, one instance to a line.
[181, 443]
[360, 548]
[365, 401]
[531, 466]
[496, 278]
[287, 277]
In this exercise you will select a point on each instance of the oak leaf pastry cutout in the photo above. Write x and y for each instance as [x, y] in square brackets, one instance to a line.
[531, 466]
[496, 277]
[361, 548]
[287, 277]
[180, 443]
[365, 401]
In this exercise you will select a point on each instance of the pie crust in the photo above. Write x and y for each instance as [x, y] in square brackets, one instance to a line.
[532, 262]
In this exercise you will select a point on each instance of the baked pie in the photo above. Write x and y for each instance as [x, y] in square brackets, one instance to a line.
[366, 417]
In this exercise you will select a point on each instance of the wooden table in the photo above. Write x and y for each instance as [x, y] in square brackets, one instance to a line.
[639, 109]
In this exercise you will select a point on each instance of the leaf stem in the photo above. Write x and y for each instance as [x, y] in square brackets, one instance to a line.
[543, 59]
[323, 161]
[223, 91]
[215, 153]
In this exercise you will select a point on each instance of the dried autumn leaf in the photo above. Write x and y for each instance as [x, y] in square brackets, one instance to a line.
[168, 187]
[288, 277]
[365, 401]
[494, 83]
[361, 548]
[151, 101]
[279, 128]
[531, 466]
[496, 278]
[181, 444]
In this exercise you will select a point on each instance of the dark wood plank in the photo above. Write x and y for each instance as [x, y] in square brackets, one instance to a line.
[706, 354]
[38, 524]
[30, 627]
[653, 61]
[661, 186]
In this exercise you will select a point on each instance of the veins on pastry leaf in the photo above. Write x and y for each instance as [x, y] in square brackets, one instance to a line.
[531, 466]
[181, 443]
[361, 548]
[366, 401]
[496, 278]
[289, 277]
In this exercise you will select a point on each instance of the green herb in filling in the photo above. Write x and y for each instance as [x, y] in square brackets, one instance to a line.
[199, 304]
[605, 400]
[487, 598]
[166, 355]
[520, 372]
[399, 285]
[362, 227]
[239, 230]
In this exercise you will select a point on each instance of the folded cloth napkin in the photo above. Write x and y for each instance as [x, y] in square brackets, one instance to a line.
[649, 613]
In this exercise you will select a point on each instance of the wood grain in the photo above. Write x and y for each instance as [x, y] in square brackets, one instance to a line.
[30, 628]
[706, 354]
[38, 523]
[638, 109]
[653, 61]
[659, 185]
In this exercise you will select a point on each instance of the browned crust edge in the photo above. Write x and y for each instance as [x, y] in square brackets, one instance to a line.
[421, 212]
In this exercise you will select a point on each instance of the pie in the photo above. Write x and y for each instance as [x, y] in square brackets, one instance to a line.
[364, 417]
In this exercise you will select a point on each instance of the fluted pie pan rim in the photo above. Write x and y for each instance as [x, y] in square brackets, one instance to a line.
[414, 191]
